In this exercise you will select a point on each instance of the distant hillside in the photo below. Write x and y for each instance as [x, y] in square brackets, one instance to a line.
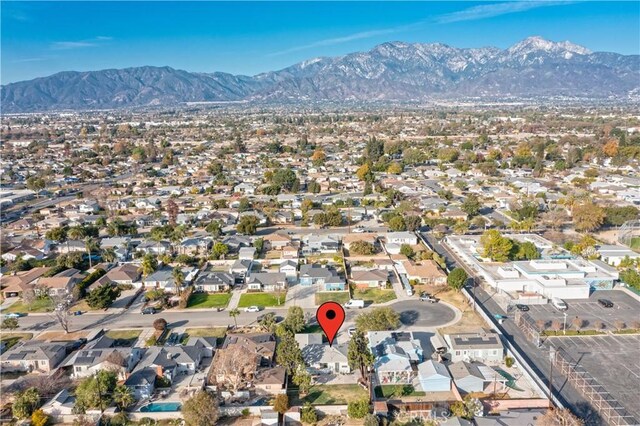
[395, 71]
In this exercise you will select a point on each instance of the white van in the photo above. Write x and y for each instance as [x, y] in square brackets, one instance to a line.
[354, 303]
[559, 304]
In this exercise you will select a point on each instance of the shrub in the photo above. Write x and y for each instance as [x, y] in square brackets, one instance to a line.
[308, 414]
[508, 361]
[160, 324]
[358, 409]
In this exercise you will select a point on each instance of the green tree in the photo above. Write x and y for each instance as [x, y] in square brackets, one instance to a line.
[233, 313]
[95, 392]
[358, 354]
[396, 224]
[471, 205]
[588, 217]
[407, 250]
[281, 403]
[362, 248]
[108, 255]
[395, 168]
[378, 319]
[288, 353]
[618, 215]
[148, 265]
[36, 184]
[178, 278]
[308, 414]
[412, 223]
[26, 403]
[103, 296]
[247, 225]
[302, 379]
[123, 397]
[358, 409]
[219, 250]
[201, 410]
[10, 323]
[457, 278]
[371, 420]
[495, 246]
[294, 322]
[524, 251]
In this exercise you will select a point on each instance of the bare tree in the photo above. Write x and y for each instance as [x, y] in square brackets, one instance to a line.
[233, 367]
[578, 323]
[559, 417]
[60, 313]
[28, 297]
[635, 325]
[556, 325]
[541, 324]
[598, 325]
[619, 325]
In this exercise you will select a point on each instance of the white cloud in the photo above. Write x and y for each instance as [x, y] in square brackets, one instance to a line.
[79, 44]
[496, 9]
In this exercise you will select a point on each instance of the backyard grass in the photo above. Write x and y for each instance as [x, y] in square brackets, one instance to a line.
[260, 299]
[124, 338]
[39, 305]
[635, 243]
[341, 297]
[374, 295]
[10, 339]
[204, 300]
[396, 391]
[330, 395]
[312, 328]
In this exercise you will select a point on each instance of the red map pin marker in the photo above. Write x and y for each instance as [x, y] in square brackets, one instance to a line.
[330, 316]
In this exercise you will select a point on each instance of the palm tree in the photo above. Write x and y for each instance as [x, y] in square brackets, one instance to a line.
[178, 278]
[148, 265]
[123, 396]
[90, 245]
[108, 255]
[233, 314]
[76, 233]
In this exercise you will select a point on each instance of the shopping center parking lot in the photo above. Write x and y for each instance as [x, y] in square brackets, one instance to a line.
[612, 360]
[625, 308]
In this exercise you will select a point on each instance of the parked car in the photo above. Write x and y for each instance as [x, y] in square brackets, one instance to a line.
[148, 311]
[15, 315]
[252, 309]
[354, 303]
[559, 304]
[521, 307]
[426, 297]
[359, 230]
[606, 303]
[76, 313]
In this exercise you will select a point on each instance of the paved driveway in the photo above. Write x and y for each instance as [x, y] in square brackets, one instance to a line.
[303, 296]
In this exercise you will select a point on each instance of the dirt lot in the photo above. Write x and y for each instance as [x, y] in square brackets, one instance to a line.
[470, 319]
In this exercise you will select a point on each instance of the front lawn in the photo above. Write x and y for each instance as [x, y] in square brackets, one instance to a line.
[218, 332]
[124, 338]
[260, 299]
[38, 305]
[396, 391]
[10, 339]
[204, 300]
[374, 295]
[341, 297]
[330, 395]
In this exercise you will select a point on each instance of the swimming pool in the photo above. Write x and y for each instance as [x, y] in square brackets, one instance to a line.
[155, 407]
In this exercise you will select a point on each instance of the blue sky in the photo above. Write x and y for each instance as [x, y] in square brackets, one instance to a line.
[41, 38]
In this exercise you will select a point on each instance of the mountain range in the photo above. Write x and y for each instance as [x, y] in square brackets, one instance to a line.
[393, 71]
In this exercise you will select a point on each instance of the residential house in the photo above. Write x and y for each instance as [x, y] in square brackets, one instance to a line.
[154, 247]
[396, 356]
[481, 346]
[102, 355]
[241, 269]
[349, 239]
[247, 253]
[71, 246]
[434, 376]
[276, 241]
[33, 355]
[323, 276]
[126, 274]
[271, 380]
[267, 281]
[320, 244]
[163, 278]
[13, 285]
[400, 238]
[322, 358]
[166, 362]
[426, 272]
[211, 281]
[234, 242]
[475, 377]
[61, 405]
[290, 269]
[370, 278]
[61, 283]
[194, 246]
